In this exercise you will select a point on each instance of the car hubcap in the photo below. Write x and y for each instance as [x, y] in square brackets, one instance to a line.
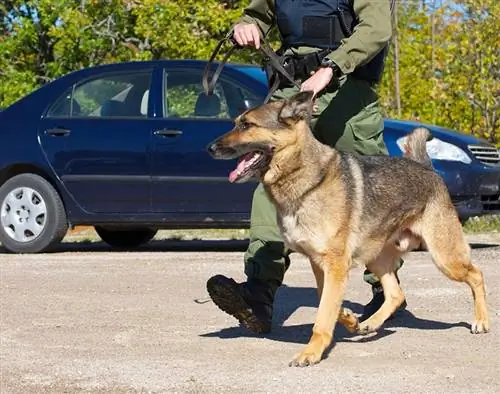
[23, 214]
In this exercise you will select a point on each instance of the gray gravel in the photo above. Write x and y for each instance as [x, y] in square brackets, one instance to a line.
[87, 319]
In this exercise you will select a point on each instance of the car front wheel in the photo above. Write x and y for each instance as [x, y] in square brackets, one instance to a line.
[125, 238]
[32, 215]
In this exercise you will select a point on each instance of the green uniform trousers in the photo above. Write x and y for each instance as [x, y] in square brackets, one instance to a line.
[348, 117]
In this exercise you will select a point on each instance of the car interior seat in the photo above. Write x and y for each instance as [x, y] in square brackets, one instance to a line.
[113, 108]
[207, 105]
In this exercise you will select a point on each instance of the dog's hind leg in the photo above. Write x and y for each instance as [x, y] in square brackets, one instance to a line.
[335, 267]
[383, 268]
[443, 234]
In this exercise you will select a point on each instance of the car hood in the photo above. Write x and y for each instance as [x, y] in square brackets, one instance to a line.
[437, 131]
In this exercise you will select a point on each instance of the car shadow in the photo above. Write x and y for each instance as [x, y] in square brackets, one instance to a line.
[289, 299]
[474, 245]
[178, 245]
[167, 245]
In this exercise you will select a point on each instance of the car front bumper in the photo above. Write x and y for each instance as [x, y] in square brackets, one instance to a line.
[474, 189]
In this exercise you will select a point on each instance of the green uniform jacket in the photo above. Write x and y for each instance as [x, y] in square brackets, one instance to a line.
[370, 35]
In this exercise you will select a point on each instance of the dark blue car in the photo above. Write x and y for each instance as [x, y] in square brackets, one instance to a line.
[122, 147]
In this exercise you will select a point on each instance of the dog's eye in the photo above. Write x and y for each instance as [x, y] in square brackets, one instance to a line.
[244, 125]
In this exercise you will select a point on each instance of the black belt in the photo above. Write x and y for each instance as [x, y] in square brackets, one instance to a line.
[305, 65]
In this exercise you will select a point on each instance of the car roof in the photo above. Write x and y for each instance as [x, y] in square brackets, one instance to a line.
[252, 71]
[170, 62]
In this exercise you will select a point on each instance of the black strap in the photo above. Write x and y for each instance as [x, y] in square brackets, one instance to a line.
[209, 86]
[276, 62]
[272, 89]
[265, 48]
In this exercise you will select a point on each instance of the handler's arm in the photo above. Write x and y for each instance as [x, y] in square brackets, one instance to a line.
[369, 37]
[260, 12]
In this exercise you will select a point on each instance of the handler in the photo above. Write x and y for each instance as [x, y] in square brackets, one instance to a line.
[337, 49]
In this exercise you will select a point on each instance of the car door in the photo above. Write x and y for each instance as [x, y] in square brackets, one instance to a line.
[186, 179]
[96, 137]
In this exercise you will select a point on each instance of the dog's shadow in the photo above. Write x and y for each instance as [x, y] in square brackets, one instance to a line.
[289, 299]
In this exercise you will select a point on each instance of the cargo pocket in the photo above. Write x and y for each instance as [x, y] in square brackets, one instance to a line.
[367, 131]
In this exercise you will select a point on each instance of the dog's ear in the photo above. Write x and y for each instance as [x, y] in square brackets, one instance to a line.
[297, 107]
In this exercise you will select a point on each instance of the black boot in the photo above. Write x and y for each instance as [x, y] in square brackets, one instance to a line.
[250, 302]
[376, 302]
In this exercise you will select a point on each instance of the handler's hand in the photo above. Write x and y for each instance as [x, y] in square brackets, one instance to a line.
[318, 81]
[247, 35]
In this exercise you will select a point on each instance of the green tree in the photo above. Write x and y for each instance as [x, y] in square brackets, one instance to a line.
[44, 39]
[472, 74]
[448, 66]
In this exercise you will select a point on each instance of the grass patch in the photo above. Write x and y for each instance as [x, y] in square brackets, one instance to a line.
[204, 234]
[484, 224]
[89, 235]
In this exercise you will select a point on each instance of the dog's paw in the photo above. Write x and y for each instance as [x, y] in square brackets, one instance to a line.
[349, 320]
[365, 329]
[480, 327]
[305, 359]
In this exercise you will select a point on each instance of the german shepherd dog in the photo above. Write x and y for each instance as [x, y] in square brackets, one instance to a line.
[341, 208]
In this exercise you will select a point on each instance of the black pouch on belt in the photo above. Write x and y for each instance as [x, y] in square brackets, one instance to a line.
[276, 79]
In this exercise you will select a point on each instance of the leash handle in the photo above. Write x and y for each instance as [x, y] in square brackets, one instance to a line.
[209, 86]
[276, 62]
[265, 48]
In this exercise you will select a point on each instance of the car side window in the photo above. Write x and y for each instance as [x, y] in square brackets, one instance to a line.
[184, 96]
[108, 95]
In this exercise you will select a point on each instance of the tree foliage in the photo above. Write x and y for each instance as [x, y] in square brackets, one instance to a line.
[448, 50]
[448, 64]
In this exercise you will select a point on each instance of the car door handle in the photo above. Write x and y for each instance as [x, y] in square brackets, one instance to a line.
[58, 132]
[167, 133]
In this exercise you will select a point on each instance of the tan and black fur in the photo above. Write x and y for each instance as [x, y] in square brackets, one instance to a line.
[340, 208]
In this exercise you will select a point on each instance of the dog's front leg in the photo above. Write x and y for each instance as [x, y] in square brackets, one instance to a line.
[346, 316]
[335, 268]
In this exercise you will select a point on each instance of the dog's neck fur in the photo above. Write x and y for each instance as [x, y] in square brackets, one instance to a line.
[287, 180]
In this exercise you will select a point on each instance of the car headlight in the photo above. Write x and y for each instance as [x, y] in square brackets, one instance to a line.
[440, 150]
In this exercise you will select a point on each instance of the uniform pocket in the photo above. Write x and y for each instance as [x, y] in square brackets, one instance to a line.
[367, 124]
[367, 131]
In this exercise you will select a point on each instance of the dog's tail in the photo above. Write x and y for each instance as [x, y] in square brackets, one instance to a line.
[415, 146]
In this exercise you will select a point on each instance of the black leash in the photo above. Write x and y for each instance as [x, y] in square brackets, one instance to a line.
[274, 60]
[209, 86]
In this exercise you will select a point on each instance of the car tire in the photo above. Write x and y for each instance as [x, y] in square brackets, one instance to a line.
[125, 238]
[32, 215]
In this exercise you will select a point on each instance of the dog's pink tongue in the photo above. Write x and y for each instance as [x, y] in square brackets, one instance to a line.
[242, 163]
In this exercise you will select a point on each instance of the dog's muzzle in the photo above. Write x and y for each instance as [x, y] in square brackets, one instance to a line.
[220, 152]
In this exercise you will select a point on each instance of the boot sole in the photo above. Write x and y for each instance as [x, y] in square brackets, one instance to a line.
[223, 294]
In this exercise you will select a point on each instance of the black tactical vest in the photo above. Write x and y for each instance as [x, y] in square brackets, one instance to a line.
[322, 24]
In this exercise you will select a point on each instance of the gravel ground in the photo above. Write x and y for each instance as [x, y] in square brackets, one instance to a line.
[88, 319]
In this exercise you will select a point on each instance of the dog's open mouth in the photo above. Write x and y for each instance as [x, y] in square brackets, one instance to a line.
[249, 165]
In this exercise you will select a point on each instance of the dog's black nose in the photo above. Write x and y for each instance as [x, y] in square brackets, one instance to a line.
[212, 148]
